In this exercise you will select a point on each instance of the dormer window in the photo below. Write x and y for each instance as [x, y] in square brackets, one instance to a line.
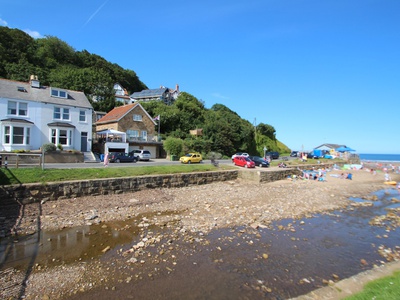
[137, 117]
[59, 93]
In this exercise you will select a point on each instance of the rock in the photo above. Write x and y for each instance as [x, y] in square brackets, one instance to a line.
[106, 249]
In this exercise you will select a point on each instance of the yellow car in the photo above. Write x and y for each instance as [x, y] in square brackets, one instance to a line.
[191, 158]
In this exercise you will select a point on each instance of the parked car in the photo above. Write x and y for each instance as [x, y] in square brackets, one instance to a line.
[273, 155]
[142, 154]
[243, 161]
[259, 161]
[311, 155]
[294, 154]
[118, 157]
[191, 158]
[240, 154]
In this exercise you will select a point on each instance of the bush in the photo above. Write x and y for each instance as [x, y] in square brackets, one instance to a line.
[174, 146]
[214, 155]
[49, 147]
[60, 147]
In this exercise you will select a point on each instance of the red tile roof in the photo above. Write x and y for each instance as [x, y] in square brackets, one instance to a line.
[117, 113]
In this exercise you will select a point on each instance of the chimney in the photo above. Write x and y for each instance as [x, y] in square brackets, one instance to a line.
[177, 87]
[34, 81]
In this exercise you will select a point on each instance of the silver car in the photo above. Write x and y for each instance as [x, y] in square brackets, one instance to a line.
[142, 154]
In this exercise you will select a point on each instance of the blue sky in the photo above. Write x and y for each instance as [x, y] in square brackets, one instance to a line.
[317, 71]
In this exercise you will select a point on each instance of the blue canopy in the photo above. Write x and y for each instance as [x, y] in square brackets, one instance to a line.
[344, 149]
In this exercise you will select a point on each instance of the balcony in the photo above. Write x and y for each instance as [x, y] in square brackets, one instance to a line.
[147, 139]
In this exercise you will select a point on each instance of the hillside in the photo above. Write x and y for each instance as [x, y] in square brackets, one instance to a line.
[58, 64]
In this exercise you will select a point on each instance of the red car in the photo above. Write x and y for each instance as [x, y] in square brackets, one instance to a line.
[243, 161]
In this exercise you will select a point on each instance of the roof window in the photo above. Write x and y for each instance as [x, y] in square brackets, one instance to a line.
[21, 89]
[59, 93]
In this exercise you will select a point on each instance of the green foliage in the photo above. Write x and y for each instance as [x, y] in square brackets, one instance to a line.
[266, 130]
[386, 288]
[60, 147]
[174, 146]
[58, 64]
[49, 147]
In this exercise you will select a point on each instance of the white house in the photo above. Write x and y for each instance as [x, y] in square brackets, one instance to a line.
[32, 115]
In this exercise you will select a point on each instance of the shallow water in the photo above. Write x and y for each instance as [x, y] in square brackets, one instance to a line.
[287, 259]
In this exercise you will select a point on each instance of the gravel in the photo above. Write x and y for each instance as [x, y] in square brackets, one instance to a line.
[194, 209]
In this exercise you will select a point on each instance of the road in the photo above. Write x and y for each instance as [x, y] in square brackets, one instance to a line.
[152, 162]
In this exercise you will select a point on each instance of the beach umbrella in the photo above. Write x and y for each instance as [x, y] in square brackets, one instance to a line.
[344, 149]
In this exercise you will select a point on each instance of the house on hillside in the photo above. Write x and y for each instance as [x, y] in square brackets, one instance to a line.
[32, 115]
[167, 95]
[196, 132]
[121, 94]
[127, 128]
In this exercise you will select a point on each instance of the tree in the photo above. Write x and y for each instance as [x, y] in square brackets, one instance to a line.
[266, 130]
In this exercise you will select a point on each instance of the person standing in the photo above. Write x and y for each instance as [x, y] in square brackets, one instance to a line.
[106, 160]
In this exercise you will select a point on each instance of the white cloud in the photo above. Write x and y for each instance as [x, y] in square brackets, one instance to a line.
[3, 23]
[33, 34]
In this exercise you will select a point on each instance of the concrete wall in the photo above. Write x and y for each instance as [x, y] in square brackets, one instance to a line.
[21, 159]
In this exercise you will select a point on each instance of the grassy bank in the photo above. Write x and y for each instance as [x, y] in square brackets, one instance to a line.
[37, 175]
[387, 288]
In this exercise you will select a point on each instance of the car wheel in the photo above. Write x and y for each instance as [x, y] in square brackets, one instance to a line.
[246, 166]
[117, 160]
[260, 165]
[189, 162]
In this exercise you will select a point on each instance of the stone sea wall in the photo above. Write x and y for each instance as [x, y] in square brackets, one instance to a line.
[30, 193]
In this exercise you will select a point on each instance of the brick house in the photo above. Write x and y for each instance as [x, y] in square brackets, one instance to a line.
[137, 130]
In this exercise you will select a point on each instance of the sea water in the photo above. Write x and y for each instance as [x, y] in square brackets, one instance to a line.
[380, 157]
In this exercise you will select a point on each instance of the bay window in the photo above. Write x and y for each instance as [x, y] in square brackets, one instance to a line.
[16, 135]
[61, 136]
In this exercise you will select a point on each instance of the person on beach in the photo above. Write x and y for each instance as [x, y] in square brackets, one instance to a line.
[387, 177]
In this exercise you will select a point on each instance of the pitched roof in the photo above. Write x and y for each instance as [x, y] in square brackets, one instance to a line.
[24, 91]
[152, 93]
[119, 112]
[330, 146]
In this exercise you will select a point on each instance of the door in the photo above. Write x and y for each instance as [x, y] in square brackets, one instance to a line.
[84, 141]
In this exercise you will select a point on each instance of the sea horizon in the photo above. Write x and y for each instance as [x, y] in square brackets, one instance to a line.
[379, 157]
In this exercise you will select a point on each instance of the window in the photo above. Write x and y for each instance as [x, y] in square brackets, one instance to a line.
[61, 113]
[61, 136]
[137, 118]
[17, 108]
[82, 116]
[132, 134]
[144, 135]
[59, 93]
[17, 135]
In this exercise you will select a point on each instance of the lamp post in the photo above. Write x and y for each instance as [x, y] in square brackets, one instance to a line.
[265, 150]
